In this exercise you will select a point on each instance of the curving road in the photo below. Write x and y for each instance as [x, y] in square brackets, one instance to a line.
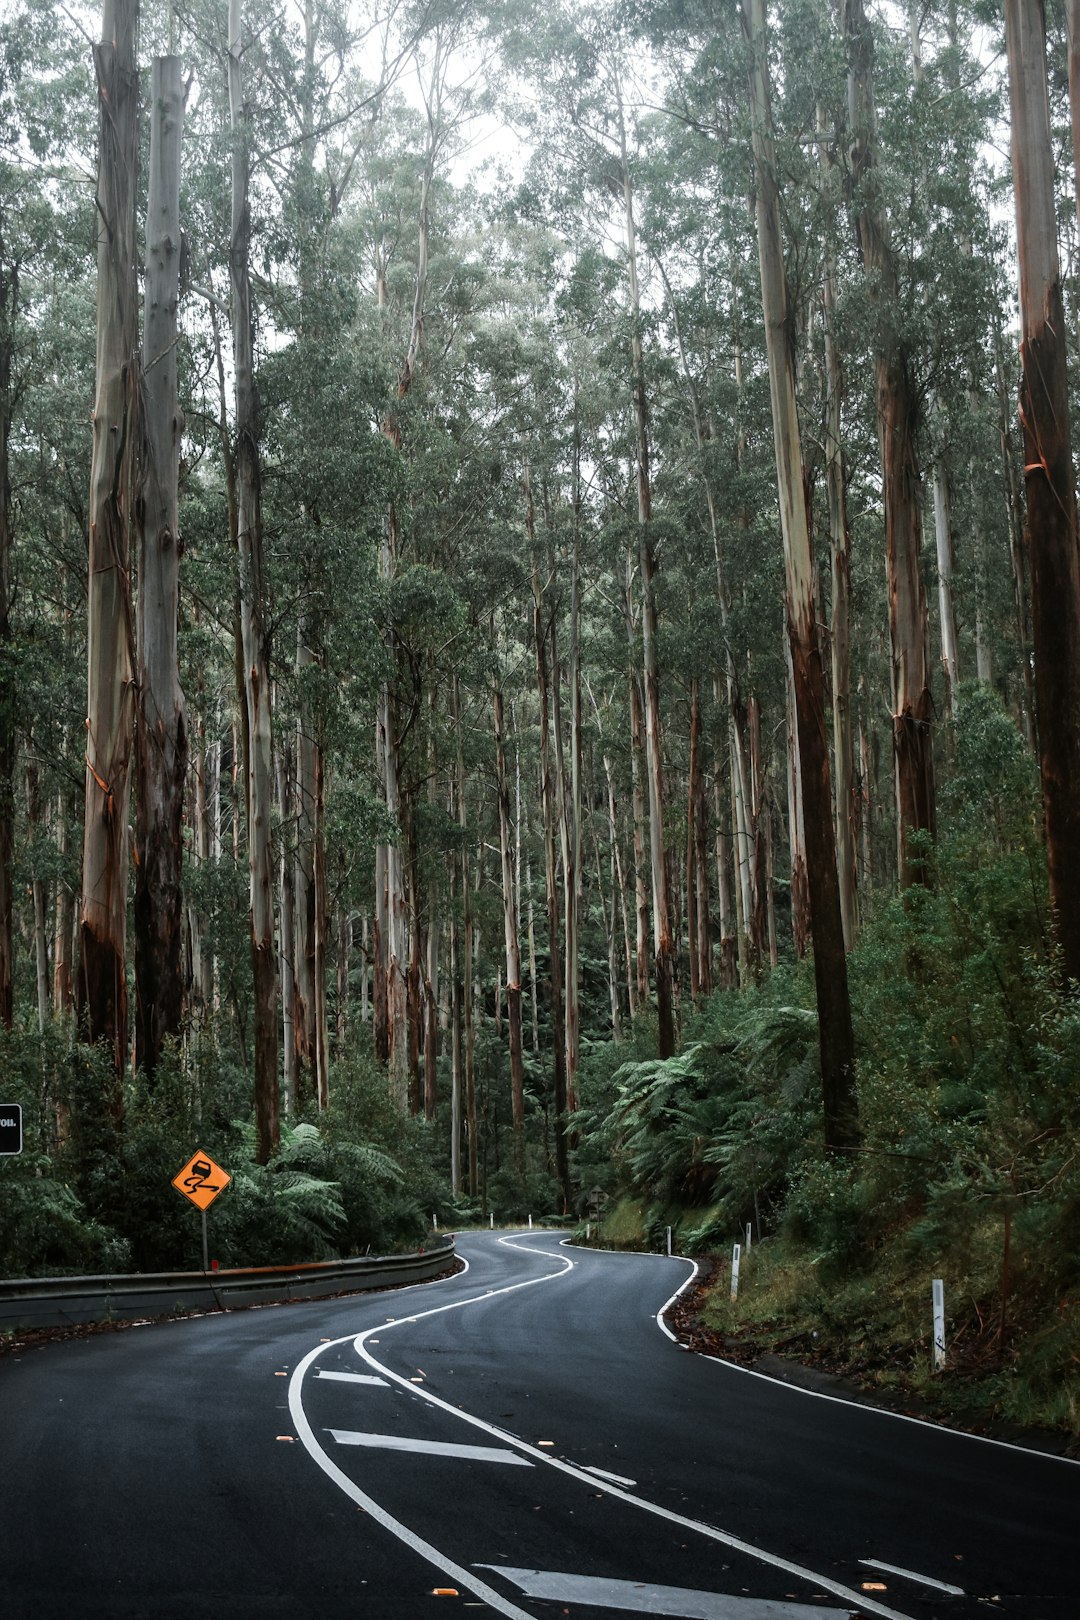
[523, 1439]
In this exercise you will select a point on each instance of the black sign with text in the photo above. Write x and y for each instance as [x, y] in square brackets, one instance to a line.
[10, 1128]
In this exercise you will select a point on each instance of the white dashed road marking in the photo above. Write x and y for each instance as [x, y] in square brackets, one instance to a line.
[430, 1448]
[638, 1597]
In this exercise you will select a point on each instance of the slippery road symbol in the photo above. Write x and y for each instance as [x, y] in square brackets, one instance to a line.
[201, 1180]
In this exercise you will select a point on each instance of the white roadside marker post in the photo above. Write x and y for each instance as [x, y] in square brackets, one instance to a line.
[491, 1220]
[530, 1223]
[939, 1323]
[435, 1222]
[748, 1231]
[588, 1231]
[736, 1256]
[669, 1240]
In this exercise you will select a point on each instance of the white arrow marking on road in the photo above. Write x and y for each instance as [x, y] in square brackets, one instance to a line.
[913, 1575]
[354, 1378]
[638, 1597]
[430, 1448]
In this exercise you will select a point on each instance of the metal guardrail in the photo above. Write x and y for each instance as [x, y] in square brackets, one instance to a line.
[29, 1302]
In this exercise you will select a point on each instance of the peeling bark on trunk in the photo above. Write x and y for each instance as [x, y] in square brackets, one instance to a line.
[253, 623]
[102, 990]
[161, 743]
[835, 1035]
[1048, 472]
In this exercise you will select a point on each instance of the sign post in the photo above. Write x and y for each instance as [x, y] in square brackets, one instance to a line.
[938, 1292]
[200, 1182]
[11, 1131]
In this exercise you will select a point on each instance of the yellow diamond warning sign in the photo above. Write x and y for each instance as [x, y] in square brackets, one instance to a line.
[201, 1180]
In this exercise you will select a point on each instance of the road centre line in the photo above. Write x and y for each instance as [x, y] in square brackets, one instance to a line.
[858, 1600]
[913, 1575]
[430, 1448]
[638, 1597]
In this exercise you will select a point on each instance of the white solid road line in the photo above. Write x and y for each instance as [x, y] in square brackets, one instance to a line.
[430, 1448]
[353, 1378]
[638, 1597]
[446, 1566]
[822, 1583]
[913, 1575]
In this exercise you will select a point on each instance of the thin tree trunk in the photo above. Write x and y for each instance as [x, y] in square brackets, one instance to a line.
[800, 886]
[840, 549]
[641, 892]
[63, 948]
[836, 1039]
[253, 622]
[547, 793]
[305, 1060]
[663, 949]
[896, 400]
[456, 1044]
[40, 898]
[950, 656]
[102, 985]
[291, 1096]
[510, 921]
[468, 945]
[9, 305]
[1016, 545]
[161, 731]
[1048, 471]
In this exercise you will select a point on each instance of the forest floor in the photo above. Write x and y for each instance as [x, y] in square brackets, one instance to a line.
[844, 1373]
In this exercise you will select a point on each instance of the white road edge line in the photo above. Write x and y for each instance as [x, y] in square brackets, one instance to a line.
[913, 1575]
[899, 1417]
[823, 1395]
[858, 1600]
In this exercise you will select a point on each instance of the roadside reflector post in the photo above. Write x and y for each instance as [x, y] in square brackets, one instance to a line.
[669, 1240]
[530, 1223]
[491, 1220]
[435, 1222]
[736, 1256]
[749, 1229]
[939, 1324]
[588, 1231]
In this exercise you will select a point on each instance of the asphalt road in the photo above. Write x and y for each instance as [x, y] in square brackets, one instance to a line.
[522, 1439]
